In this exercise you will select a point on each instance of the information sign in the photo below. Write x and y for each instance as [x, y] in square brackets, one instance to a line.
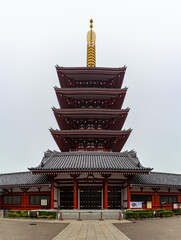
[43, 202]
[149, 204]
[136, 205]
[176, 205]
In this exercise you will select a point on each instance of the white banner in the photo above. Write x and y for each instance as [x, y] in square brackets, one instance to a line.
[135, 204]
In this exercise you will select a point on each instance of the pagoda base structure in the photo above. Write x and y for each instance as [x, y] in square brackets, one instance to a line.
[89, 181]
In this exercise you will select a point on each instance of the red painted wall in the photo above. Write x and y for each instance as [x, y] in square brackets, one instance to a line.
[25, 201]
[156, 198]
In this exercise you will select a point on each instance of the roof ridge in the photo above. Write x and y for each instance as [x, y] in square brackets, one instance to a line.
[93, 68]
[167, 173]
[91, 109]
[55, 153]
[14, 173]
[91, 88]
[91, 130]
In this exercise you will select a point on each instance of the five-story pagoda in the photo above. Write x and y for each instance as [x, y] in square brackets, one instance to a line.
[90, 172]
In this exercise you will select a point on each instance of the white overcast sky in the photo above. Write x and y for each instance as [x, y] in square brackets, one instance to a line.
[144, 35]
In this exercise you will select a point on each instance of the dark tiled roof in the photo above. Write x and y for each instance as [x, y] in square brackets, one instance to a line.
[68, 161]
[97, 110]
[90, 69]
[92, 90]
[22, 179]
[158, 179]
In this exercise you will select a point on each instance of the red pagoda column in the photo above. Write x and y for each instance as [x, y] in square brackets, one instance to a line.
[75, 194]
[105, 200]
[52, 195]
[128, 196]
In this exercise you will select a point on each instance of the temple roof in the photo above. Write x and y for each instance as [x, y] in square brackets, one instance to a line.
[23, 179]
[69, 76]
[125, 162]
[157, 179]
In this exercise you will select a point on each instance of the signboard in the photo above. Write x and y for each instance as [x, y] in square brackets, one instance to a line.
[176, 205]
[136, 205]
[149, 204]
[44, 202]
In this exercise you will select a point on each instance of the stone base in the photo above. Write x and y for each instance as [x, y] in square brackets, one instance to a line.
[1, 213]
[91, 214]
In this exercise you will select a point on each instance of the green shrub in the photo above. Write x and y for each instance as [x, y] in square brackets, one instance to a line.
[177, 211]
[46, 217]
[167, 213]
[18, 213]
[24, 213]
[139, 214]
[13, 214]
[160, 210]
[48, 213]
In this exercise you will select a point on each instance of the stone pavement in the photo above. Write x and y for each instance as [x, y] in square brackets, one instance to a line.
[91, 230]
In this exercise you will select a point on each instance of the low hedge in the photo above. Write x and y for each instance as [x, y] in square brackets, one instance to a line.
[163, 213]
[24, 214]
[46, 217]
[158, 212]
[167, 213]
[16, 214]
[177, 211]
[13, 215]
[47, 214]
[137, 214]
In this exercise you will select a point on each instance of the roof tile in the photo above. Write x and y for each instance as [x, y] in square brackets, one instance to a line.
[90, 161]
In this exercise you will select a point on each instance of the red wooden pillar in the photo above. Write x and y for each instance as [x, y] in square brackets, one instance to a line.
[153, 201]
[103, 197]
[128, 196]
[157, 200]
[1, 201]
[75, 194]
[179, 197]
[105, 200]
[26, 200]
[52, 195]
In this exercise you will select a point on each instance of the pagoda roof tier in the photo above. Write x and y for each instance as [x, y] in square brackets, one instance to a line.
[86, 140]
[68, 162]
[90, 77]
[90, 97]
[82, 118]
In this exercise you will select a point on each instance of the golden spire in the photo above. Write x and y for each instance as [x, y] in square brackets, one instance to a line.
[91, 47]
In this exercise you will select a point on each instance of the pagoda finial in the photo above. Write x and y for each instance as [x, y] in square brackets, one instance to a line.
[91, 48]
[91, 23]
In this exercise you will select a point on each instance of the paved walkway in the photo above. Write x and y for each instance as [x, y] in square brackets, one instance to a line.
[156, 228]
[91, 230]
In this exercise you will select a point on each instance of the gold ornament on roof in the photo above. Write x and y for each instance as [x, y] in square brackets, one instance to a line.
[91, 47]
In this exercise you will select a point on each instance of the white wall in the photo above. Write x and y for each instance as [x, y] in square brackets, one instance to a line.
[56, 197]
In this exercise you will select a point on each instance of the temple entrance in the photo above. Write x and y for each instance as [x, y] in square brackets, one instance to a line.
[66, 198]
[114, 198]
[90, 199]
